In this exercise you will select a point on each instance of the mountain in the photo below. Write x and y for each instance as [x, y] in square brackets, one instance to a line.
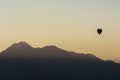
[24, 50]
[22, 61]
[19, 50]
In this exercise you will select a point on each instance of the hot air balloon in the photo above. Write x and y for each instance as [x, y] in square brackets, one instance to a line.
[99, 31]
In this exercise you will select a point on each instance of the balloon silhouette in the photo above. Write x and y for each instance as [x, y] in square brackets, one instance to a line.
[99, 31]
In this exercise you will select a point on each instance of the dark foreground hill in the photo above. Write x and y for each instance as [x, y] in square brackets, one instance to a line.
[23, 62]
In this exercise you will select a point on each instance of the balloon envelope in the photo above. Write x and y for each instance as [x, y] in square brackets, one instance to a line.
[99, 31]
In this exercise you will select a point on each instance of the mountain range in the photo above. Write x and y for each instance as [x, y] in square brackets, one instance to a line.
[22, 61]
[24, 50]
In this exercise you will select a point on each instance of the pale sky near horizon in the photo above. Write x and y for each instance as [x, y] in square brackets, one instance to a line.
[68, 24]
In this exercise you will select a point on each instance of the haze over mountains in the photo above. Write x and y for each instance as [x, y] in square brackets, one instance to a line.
[50, 62]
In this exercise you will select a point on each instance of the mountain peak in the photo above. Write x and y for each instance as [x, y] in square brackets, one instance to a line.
[52, 48]
[18, 47]
[21, 44]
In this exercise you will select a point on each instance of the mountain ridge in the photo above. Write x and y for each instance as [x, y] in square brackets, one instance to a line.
[24, 50]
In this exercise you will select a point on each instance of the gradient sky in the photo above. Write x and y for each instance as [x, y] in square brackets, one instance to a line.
[68, 24]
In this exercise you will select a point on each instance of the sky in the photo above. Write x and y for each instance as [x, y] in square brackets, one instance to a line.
[68, 24]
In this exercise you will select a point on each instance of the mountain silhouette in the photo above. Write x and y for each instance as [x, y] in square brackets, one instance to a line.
[19, 50]
[24, 50]
[22, 61]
